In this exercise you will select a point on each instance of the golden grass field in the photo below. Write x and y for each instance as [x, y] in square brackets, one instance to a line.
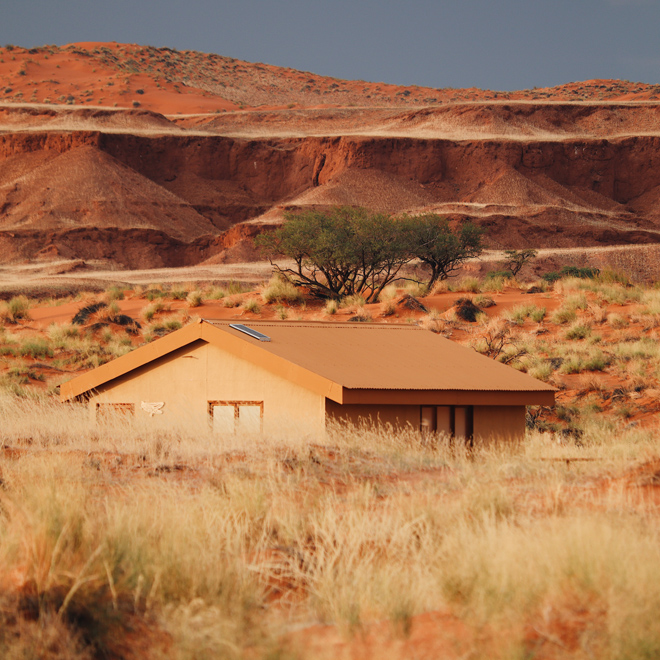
[121, 542]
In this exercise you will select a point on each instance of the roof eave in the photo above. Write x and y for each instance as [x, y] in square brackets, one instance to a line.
[542, 397]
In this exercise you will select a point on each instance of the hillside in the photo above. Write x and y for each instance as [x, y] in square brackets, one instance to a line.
[144, 157]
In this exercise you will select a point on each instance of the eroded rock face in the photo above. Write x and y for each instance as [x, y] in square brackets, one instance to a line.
[180, 199]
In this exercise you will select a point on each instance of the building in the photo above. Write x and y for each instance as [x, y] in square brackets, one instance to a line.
[279, 376]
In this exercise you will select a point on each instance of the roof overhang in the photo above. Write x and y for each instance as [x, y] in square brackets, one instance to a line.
[448, 397]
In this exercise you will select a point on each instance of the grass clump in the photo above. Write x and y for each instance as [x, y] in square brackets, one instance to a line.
[578, 331]
[152, 309]
[195, 298]
[251, 305]
[35, 348]
[281, 290]
[331, 307]
[16, 309]
[469, 285]
[115, 293]
[521, 313]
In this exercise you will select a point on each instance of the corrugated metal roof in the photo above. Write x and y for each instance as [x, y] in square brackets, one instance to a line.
[385, 356]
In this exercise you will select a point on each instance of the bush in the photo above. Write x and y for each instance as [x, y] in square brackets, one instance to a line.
[498, 274]
[16, 309]
[564, 314]
[578, 331]
[194, 299]
[115, 293]
[251, 305]
[36, 348]
[280, 289]
[572, 271]
[520, 313]
[331, 307]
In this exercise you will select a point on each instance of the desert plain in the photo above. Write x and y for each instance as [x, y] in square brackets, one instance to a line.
[133, 181]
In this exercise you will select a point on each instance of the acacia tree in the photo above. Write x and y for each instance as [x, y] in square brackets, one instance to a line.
[516, 259]
[340, 252]
[439, 248]
[345, 251]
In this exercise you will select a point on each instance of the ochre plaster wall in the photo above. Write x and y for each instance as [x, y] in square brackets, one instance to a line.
[398, 416]
[189, 378]
[499, 422]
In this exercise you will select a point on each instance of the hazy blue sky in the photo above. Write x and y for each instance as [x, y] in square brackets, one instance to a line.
[496, 44]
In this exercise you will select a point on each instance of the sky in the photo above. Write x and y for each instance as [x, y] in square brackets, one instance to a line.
[490, 44]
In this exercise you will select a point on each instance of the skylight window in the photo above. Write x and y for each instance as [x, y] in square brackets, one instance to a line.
[255, 334]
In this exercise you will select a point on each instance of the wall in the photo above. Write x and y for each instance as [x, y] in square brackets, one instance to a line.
[398, 416]
[501, 422]
[489, 422]
[187, 379]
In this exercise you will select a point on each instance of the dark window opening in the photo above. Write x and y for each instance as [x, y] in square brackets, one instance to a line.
[454, 421]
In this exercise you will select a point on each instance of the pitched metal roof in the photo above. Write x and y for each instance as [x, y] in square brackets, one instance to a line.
[337, 358]
[386, 356]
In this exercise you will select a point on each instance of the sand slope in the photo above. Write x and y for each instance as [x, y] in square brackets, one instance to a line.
[85, 186]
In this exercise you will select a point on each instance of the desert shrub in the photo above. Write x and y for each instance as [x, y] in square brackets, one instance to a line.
[496, 283]
[521, 313]
[231, 301]
[251, 305]
[415, 289]
[216, 293]
[578, 331]
[361, 315]
[82, 315]
[281, 312]
[280, 289]
[469, 284]
[24, 374]
[194, 298]
[466, 310]
[565, 314]
[152, 309]
[177, 294]
[234, 288]
[442, 286]
[388, 293]
[114, 293]
[542, 371]
[163, 327]
[35, 348]
[572, 271]
[388, 308]
[498, 274]
[617, 321]
[645, 349]
[16, 309]
[152, 294]
[355, 300]
[331, 307]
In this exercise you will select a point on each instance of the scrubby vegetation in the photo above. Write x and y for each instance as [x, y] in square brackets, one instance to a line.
[131, 544]
[117, 542]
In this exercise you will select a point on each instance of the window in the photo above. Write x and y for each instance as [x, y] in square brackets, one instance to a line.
[236, 416]
[110, 411]
[456, 421]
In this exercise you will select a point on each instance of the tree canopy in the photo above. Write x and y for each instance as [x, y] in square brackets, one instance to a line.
[345, 251]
